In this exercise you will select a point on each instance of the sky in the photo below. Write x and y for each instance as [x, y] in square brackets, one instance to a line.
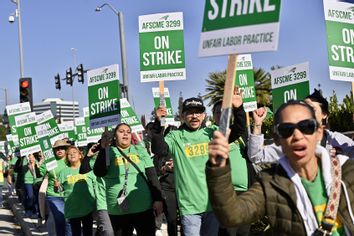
[62, 34]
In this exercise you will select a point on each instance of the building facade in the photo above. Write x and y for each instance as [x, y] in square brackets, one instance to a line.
[61, 110]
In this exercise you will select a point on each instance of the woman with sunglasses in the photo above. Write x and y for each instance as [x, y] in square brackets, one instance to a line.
[133, 191]
[264, 154]
[294, 193]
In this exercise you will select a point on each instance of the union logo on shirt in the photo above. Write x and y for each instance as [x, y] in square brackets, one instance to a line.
[72, 179]
[119, 160]
[196, 150]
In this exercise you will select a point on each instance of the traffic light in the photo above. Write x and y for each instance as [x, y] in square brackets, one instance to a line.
[80, 73]
[57, 82]
[69, 76]
[26, 90]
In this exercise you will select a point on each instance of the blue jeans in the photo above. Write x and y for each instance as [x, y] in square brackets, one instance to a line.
[200, 224]
[56, 206]
[29, 199]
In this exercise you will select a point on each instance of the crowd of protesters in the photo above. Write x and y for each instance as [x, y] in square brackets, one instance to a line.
[196, 177]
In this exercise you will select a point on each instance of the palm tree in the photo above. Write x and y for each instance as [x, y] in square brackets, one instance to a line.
[215, 87]
[216, 80]
[263, 86]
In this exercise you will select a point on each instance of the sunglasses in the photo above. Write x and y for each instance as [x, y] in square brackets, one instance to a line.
[285, 130]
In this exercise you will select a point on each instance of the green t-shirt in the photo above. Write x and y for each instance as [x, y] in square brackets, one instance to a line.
[28, 177]
[138, 192]
[189, 150]
[101, 200]
[238, 165]
[52, 175]
[316, 191]
[79, 195]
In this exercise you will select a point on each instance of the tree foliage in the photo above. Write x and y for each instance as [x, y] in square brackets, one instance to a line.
[341, 117]
[216, 81]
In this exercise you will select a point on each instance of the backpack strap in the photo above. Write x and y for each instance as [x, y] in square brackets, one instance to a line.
[330, 214]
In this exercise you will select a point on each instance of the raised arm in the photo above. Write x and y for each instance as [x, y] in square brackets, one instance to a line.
[230, 209]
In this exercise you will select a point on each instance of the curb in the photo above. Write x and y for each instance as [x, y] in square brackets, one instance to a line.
[16, 210]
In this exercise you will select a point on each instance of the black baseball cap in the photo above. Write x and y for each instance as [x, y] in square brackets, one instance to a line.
[193, 103]
[316, 96]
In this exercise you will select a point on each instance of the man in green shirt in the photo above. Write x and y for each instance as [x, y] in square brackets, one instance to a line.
[189, 148]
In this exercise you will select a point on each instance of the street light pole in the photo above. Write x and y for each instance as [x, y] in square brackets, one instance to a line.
[19, 24]
[73, 50]
[122, 46]
[5, 90]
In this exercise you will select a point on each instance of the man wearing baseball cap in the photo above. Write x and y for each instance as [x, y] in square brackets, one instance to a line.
[189, 148]
[55, 201]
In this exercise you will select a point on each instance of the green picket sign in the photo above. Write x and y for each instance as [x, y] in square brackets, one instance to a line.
[161, 41]
[296, 92]
[51, 125]
[46, 147]
[231, 27]
[68, 130]
[156, 94]
[15, 110]
[80, 130]
[10, 143]
[3, 149]
[291, 82]
[103, 95]
[340, 40]
[245, 81]
[27, 137]
[92, 134]
[129, 117]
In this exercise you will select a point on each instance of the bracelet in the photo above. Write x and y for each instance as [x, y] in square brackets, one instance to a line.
[258, 125]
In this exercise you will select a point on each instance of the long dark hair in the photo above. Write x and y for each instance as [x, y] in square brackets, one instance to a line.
[277, 116]
[114, 140]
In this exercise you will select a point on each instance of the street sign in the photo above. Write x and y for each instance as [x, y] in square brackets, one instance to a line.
[245, 81]
[27, 137]
[291, 82]
[161, 47]
[103, 95]
[340, 39]
[156, 94]
[129, 117]
[231, 27]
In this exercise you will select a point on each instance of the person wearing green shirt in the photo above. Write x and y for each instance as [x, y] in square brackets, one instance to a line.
[189, 149]
[103, 222]
[26, 166]
[12, 174]
[133, 192]
[78, 192]
[55, 201]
